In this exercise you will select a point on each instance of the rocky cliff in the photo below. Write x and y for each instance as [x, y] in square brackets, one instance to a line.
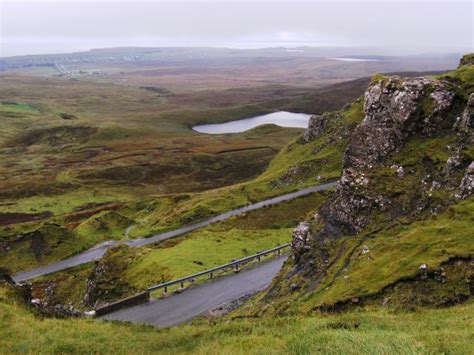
[409, 160]
[396, 111]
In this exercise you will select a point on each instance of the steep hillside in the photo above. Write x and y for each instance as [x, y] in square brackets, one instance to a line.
[398, 229]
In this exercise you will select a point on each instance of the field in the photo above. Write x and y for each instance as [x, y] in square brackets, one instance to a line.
[130, 270]
[91, 160]
[66, 234]
[84, 157]
[70, 141]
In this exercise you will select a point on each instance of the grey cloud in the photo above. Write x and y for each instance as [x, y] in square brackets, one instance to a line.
[416, 26]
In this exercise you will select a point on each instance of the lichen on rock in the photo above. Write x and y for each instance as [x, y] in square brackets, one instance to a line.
[300, 240]
[393, 114]
[466, 188]
[396, 110]
[465, 123]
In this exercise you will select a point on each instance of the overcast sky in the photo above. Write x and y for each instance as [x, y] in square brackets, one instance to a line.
[396, 26]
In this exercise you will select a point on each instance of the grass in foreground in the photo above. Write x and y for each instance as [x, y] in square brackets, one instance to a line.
[371, 330]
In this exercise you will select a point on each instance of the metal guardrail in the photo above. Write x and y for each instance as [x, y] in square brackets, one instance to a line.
[234, 264]
[145, 295]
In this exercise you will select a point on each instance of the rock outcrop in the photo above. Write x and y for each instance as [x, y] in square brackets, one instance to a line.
[301, 238]
[107, 282]
[316, 126]
[466, 188]
[45, 306]
[465, 123]
[401, 213]
[393, 113]
[396, 110]
[468, 59]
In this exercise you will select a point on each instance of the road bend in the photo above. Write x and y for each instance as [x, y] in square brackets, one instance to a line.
[198, 300]
[96, 252]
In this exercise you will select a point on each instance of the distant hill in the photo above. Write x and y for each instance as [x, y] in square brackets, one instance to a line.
[195, 54]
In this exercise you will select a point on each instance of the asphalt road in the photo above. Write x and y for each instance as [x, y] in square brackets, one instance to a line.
[96, 252]
[198, 300]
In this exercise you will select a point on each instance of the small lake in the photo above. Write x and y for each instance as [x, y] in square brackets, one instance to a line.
[280, 118]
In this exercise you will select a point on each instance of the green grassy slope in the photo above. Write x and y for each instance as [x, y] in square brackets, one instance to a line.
[367, 266]
[383, 260]
[130, 270]
[372, 330]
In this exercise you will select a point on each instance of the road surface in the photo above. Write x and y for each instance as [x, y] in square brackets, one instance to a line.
[96, 252]
[198, 300]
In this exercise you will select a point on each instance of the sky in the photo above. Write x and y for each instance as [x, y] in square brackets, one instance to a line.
[393, 27]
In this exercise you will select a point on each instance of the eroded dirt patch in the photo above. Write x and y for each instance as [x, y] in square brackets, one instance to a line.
[13, 218]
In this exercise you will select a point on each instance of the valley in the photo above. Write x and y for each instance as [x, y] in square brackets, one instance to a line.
[106, 189]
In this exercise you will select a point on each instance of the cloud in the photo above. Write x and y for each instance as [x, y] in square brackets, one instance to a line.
[397, 26]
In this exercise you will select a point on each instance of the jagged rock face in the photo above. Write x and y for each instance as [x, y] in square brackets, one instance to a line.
[452, 164]
[393, 113]
[348, 211]
[466, 121]
[408, 160]
[466, 188]
[301, 238]
[93, 292]
[316, 126]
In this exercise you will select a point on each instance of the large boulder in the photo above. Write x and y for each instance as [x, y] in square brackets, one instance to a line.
[316, 126]
[301, 238]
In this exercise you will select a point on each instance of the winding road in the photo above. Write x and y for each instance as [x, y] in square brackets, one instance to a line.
[96, 252]
[198, 300]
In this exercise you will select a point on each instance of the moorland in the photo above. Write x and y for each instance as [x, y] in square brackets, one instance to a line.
[99, 146]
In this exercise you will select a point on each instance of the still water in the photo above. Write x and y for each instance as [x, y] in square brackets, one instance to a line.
[280, 118]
